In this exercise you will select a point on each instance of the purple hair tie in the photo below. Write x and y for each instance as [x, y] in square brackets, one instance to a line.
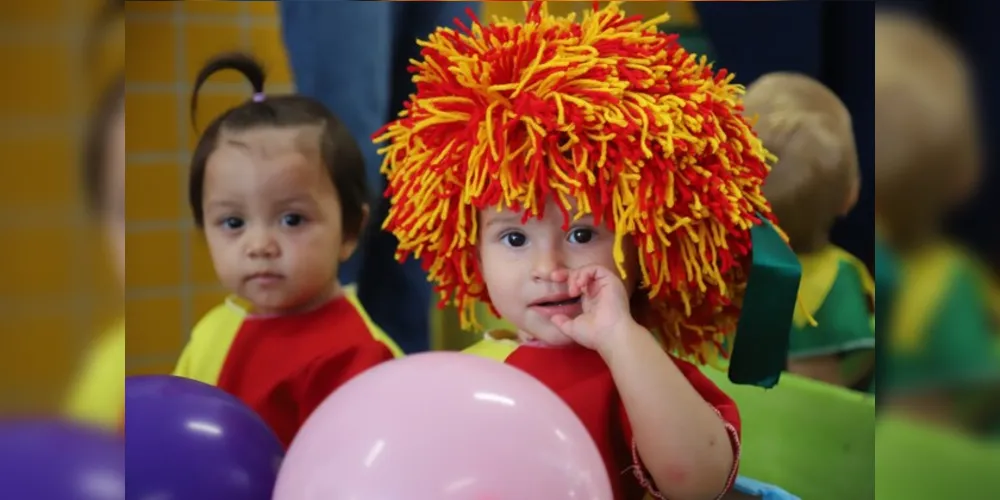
[258, 97]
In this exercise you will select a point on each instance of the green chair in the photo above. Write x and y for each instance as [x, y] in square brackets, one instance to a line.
[447, 334]
[812, 439]
[917, 462]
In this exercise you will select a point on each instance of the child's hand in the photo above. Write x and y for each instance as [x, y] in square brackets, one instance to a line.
[605, 305]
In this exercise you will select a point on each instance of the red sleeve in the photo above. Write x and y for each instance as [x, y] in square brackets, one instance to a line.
[724, 407]
[327, 373]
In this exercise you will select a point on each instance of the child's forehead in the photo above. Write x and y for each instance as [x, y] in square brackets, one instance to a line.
[267, 164]
[271, 142]
[549, 212]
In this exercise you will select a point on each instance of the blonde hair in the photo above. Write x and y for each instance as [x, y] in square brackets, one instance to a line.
[926, 136]
[808, 128]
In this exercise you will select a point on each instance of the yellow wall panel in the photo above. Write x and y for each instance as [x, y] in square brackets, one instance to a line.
[38, 352]
[157, 327]
[202, 270]
[39, 85]
[154, 259]
[266, 9]
[149, 7]
[151, 192]
[213, 105]
[266, 44]
[152, 123]
[151, 56]
[22, 278]
[38, 172]
[203, 41]
[213, 8]
[31, 12]
[680, 12]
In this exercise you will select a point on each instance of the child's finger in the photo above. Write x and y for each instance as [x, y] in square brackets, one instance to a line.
[559, 320]
[564, 324]
[585, 278]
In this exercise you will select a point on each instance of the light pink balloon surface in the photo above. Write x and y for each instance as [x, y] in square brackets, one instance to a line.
[443, 426]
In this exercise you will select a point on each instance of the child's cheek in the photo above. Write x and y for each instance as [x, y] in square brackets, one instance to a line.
[115, 234]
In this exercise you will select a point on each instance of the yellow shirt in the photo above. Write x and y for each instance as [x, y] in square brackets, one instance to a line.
[98, 395]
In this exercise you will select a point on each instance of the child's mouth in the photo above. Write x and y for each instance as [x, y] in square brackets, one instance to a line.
[560, 306]
[556, 303]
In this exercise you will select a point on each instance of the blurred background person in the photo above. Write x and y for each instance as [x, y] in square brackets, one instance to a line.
[942, 364]
[59, 286]
[814, 182]
[827, 41]
[99, 393]
[353, 57]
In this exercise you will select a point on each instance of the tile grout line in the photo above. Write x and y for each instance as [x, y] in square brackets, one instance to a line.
[183, 134]
[245, 19]
[82, 311]
[203, 19]
[210, 88]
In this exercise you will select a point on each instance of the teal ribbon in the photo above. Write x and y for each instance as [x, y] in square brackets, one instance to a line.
[760, 347]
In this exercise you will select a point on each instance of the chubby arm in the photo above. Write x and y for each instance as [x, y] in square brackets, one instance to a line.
[688, 446]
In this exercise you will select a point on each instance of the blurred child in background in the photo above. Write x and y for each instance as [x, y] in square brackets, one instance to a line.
[98, 394]
[815, 181]
[942, 361]
[278, 186]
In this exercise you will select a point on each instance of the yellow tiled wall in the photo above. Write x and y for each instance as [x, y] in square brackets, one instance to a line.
[170, 282]
[55, 286]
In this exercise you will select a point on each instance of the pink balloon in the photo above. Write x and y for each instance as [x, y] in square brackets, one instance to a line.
[443, 426]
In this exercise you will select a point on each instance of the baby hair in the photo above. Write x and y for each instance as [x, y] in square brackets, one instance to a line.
[808, 128]
[926, 136]
[340, 153]
[110, 103]
[95, 149]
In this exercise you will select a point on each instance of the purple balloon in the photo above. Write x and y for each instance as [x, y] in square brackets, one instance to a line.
[192, 441]
[58, 460]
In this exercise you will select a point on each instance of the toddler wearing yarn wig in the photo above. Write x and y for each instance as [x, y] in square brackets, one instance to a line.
[596, 185]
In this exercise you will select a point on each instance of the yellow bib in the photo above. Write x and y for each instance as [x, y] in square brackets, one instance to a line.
[98, 397]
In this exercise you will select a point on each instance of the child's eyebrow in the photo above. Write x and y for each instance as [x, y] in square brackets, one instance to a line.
[505, 219]
[221, 204]
[296, 199]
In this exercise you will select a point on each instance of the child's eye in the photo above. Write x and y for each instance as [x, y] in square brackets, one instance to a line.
[581, 235]
[232, 223]
[292, 220]
[514, 239]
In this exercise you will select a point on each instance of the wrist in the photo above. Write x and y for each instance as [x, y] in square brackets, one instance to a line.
[620, 338]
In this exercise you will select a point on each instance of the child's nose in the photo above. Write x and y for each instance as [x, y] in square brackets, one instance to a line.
[545, 262]
[261, 245]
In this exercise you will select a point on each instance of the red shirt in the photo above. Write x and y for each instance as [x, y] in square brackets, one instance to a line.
[581, 378]
[283, 367]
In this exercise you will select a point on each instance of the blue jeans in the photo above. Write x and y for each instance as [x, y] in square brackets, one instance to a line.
[352, 56]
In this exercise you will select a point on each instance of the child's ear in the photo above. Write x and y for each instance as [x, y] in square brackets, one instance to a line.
[852, 198]
[349, 245]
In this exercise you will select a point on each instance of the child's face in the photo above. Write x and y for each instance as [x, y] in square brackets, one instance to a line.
[273, 219]
[518, 259]
[114, 189]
